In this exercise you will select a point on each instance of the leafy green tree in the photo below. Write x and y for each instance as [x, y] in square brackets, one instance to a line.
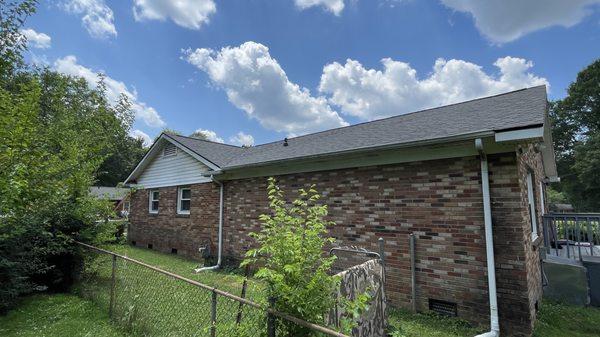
[12, 43]
[576, 133]
[55, 135]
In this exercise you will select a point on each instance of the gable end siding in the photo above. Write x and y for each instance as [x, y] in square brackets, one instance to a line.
[181, 169]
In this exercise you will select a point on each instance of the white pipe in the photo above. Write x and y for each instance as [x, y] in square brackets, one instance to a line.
[489, 243]
[220, 249]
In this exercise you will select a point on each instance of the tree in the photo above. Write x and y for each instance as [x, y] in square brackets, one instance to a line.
[576, 134]
[55, 135]
[13, 43]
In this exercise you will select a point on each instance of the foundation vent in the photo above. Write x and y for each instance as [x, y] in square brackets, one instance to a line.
[443, 307]
[174, 251]
[149, 246]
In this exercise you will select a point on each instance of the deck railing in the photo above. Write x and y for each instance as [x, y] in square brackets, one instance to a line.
[572, 235]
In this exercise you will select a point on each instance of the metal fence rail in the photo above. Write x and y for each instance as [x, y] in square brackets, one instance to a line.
[148, 301]
[572, 235]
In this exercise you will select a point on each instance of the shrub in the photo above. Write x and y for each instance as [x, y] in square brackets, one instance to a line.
[290, 255]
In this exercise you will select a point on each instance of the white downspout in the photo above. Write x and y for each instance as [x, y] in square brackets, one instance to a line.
[489, 243]
[220, 249]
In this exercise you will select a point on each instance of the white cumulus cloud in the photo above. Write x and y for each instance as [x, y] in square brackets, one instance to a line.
[68, 65]
[507, 20]
[242, 139]
[186, 13]
[334, 6]
[35, 39]
[97, 17]
[370, 93]
[256, 83]
[139, 134]
[210, 135]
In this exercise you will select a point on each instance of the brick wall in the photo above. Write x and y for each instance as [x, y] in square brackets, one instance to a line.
[167, 229]
[440, 201]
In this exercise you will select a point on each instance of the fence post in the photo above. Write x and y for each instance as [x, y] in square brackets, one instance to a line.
[213, 314]
[113, 276]
[413, 272]
[382, 257]
[271, 323]
[238, 319]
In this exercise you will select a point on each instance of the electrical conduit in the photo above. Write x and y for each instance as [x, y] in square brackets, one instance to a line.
[220, 249]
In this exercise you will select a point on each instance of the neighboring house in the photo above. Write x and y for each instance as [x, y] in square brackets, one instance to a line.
[118, 196]
[422, 173]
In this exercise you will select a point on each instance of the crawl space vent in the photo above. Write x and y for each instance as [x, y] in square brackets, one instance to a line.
[443, 307]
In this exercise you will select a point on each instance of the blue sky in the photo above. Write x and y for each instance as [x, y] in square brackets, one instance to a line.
[253, 71]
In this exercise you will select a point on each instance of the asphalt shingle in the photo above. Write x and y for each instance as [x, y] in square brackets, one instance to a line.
[512, 110]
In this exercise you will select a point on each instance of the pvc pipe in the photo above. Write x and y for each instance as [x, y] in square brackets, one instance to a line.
[489, 243]
[220, 248]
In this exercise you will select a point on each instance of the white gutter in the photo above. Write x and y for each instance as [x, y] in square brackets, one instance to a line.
[220, 249]
[489, 243]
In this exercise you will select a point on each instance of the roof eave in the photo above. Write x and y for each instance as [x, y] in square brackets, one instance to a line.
[456, 138]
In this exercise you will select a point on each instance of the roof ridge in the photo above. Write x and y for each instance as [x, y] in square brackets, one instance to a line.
[209, 141]
[403, 115]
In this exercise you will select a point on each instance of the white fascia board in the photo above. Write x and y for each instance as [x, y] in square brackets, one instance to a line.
[521, 134]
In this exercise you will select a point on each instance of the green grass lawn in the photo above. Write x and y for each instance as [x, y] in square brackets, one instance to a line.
[149, 303]
[227, 280]
[404, 323]
[57, 315]
[554, 320]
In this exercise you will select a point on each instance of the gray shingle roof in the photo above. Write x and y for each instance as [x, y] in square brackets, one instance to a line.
[217, 153]
[513, 110]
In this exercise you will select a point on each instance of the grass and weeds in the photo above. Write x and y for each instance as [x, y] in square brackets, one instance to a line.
[554, 320]
[558, 320]
[148, 303]
[226, 279]
[57, 315]
[404, 323]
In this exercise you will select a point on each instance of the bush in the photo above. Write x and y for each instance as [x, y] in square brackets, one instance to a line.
[291, 260]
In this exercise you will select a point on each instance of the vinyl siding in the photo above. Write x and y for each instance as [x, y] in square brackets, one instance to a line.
[181, 169]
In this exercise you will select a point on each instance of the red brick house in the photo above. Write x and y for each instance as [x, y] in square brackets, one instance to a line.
[450, 175]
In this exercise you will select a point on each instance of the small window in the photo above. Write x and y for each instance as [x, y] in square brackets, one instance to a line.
[154, 195]
[531, 204]
[169, 150]
[184, 200]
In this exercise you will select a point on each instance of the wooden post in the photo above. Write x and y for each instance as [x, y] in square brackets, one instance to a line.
[238, 319]
[213, 314]
[111, 305]
[271, 319]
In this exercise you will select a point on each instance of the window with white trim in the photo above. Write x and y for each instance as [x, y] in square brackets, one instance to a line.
[184, 200]
[531, 203]
[153, 201]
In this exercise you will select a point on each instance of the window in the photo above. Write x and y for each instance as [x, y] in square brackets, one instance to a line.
[184, 200]
[169, 150]
[532, 208]
[153, 204]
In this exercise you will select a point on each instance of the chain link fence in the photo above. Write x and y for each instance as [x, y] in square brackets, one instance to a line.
[148, 301]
